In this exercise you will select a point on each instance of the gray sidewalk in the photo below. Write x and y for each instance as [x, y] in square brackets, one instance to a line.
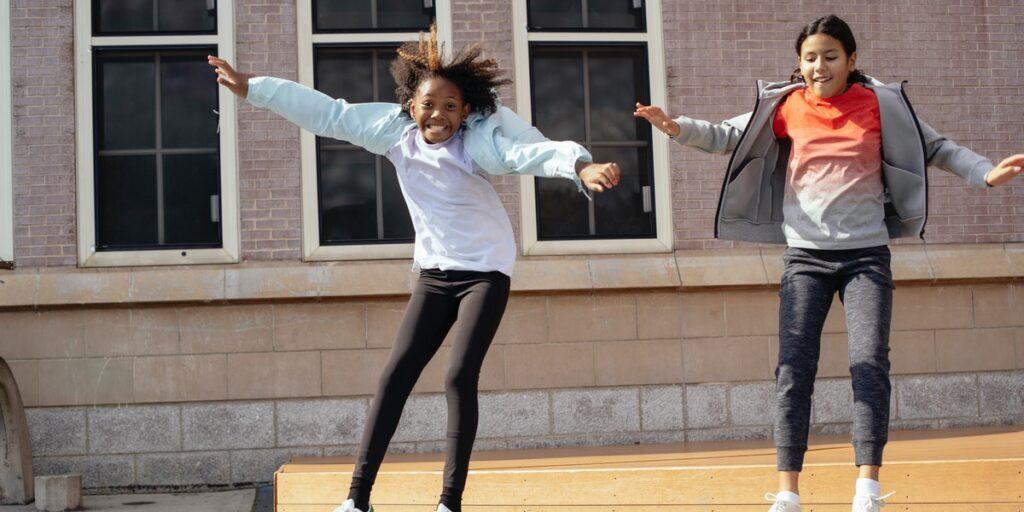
[224, 501]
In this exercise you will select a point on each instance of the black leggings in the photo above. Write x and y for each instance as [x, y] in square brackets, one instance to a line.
[479, 299]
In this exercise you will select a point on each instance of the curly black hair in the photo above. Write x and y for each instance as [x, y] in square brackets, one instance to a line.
[477, 79]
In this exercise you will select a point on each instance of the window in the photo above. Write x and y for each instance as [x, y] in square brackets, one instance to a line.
[156, 164]
[588, 63]
[352, 205]
[6, 141]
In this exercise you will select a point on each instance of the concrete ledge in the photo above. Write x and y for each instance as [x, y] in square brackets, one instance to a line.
[252, 281]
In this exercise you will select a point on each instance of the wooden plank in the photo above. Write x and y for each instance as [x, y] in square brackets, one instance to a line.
[841, 507]
[976, 469]
[947, 482]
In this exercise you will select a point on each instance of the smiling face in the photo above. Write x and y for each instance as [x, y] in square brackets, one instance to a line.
[825, 65]
[438, 109]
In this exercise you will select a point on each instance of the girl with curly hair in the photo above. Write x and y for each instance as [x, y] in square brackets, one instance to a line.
[448, 127]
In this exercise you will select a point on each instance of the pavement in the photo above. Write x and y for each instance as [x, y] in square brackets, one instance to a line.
[244, 500]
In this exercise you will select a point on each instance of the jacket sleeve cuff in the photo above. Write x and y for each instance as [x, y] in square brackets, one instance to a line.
[261, 90]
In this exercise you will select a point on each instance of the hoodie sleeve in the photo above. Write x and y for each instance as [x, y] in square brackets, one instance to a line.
[952, 157]
[711, 138]
[523, 149]
[374, 126]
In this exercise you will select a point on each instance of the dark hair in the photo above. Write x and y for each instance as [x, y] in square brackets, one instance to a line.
[835, 27]
[476, 78]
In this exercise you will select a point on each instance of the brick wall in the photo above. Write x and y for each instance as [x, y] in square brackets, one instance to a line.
[960, 58]
[44, 132]
[268, 147]
[488, 22]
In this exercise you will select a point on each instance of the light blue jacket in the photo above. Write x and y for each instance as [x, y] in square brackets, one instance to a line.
[499, 143]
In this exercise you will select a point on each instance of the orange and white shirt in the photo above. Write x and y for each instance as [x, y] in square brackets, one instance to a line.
[834, 192]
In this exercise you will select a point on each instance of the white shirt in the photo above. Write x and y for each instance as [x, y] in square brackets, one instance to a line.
[459, 220]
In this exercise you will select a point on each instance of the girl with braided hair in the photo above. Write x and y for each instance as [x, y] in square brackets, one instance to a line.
[448, 130]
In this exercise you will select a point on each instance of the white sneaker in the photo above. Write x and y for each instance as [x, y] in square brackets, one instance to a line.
[442, 508]
[867, 503]
[780, 504]
[350, 506]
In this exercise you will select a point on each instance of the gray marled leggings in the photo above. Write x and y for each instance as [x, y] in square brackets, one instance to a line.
[810, 279]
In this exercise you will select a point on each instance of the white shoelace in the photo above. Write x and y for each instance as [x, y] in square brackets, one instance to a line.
[780, 505]
[872, 503]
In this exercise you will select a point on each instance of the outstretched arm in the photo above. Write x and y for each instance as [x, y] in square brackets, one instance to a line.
[1007, 170]
[373, 126]
[702, 135]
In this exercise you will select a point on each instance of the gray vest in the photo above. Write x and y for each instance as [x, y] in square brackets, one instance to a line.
[750, 205]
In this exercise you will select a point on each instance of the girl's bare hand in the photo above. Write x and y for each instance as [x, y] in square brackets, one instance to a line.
[1007, 170]
[598, 177]
[658, 118]
[236, 82]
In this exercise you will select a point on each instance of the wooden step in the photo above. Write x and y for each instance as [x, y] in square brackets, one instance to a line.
[931, 471]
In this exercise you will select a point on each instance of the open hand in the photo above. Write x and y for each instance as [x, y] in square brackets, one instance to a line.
[658, 118]
[598, 177]
[236, 82]
[1007, 170]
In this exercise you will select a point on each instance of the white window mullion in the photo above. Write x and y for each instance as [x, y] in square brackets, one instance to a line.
[86, 195]
[227, 102]
[6, 140]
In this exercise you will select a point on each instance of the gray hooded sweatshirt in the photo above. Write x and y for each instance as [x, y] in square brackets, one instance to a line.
[750, 207]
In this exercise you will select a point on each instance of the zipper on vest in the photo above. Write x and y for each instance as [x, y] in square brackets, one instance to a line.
[732, 157]
[924, 154]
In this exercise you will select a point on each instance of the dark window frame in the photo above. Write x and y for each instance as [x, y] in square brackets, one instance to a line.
[532, 27]
[96, 32]
[158, 152]
[644, 54]
[373, 14]
[348, 147]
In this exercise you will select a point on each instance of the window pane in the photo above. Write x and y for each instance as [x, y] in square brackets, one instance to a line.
[153, 16]
[612, 14]
[171, 177]
[385, 82]
[616, 79]
[616, 76]
[126, 202]
[404, 15]
[348, 185]
[188, 95]
[558, 93]
[189, 182]
[554, 14]
[585, 14]
[122, 16]
[397, 223]
[187, 16]
[345, 73]
[561, 210]
[360, 15]
[619, 212]
[127, 101]
[346, 15]
[348, 196]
